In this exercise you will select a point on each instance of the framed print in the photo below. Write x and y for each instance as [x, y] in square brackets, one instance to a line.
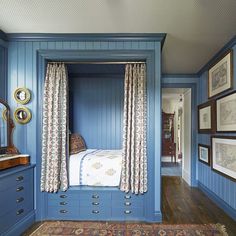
[22, 95]
[226, 113]
[206, 117]
[224, 155]
[220, 75]
[204, 153]
[22, 115]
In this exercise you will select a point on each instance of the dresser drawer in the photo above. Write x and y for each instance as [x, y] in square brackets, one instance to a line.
[95, 196]
[12, 217]
[127, 213]
[17, 178]
[64, 202]
[60, 196]
[63, 212]
[94, 213]
[20, 194]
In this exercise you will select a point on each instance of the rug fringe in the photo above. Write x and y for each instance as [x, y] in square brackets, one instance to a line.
[222, 229]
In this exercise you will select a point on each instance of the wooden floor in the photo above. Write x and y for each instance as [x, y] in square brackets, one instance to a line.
[182, 204]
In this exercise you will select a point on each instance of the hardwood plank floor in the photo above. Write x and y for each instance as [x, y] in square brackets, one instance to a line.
[182, 204]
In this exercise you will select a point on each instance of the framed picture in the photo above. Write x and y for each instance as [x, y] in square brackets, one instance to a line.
[22, 95]
[204, 153]
[226, 113]
[220, 75]
[224, 155]
[206, 117]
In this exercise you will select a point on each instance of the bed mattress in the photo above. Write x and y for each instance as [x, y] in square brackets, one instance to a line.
[95, 167]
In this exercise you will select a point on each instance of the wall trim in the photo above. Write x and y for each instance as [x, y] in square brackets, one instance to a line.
[160, 37]
[218, 201]
[211, 62]
[177, 76]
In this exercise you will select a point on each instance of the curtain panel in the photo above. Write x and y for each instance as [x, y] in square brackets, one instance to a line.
[54, 130]
[134, 154]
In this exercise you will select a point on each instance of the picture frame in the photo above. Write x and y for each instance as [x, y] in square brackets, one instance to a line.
[226, 113]
[220, 75]
[223, 158]
[22, 95]
[204, 153]
[22, 115]
[206, 117]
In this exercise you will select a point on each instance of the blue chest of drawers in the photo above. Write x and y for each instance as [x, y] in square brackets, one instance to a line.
[95, 204]
[16, 200]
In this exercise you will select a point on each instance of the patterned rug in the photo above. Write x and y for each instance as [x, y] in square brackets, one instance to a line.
[56, 228]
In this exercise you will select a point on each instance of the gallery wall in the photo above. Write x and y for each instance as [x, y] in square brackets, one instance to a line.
[217, 186]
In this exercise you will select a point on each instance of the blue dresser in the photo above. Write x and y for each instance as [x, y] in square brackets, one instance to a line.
[94, 204]
[16, 200]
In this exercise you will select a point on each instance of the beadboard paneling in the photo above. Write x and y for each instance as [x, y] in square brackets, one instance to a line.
[22, 71]
[96, 110]
[223, 187]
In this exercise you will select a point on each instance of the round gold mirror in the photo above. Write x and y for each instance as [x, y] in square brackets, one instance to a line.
[22, 95]
[22, 115]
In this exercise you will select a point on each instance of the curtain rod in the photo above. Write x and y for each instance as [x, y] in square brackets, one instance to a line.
[99, 62]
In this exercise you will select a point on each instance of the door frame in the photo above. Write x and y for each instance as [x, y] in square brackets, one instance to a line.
[183, 81]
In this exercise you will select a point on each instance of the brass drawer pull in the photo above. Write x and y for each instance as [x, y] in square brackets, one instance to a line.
[63, 211]
[95, 203]
[95, 211]
[127, 212]
[19, 178]
[20, 212]
[63, 203]
[63, 196]
[21, 199]
[95, 196]
[127, 196]
[19, 189]
[127, 203]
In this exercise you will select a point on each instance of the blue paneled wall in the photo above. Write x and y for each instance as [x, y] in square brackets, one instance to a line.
[23, 71]
[96, 107]
[220, 187]
[3, 91]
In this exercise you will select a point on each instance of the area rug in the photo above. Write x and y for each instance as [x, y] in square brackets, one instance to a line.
[56, 228]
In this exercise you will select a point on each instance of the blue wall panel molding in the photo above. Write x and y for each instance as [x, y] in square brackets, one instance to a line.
[222, 204]
[222, 51]
[3, 73]
[148, 51]
[139, 37]
[221, 189]
[3, 36]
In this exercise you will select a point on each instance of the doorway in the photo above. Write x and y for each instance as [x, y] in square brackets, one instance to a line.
[176, 133]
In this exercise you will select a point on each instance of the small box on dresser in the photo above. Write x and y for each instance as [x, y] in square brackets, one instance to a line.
[16, 200]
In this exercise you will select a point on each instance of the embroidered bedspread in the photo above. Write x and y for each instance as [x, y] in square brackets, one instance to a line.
[95, 167]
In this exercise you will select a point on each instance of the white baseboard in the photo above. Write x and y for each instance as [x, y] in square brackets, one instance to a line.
[186, 176]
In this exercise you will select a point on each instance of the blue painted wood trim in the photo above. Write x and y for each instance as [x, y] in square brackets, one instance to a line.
[193, 85]
[218, 201]
[179, 76]
[227, 46]
[81, 55]
[3, 36]
[160, 37]
[22, 225]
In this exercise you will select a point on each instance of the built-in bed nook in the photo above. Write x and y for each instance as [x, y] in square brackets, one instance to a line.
[94, 158]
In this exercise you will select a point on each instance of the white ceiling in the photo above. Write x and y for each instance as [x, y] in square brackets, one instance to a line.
[196, 29]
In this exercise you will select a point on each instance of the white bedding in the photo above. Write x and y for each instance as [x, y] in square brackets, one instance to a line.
[95, 167]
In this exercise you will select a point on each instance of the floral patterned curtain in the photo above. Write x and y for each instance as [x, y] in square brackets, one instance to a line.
[54, 133]
[134, 163]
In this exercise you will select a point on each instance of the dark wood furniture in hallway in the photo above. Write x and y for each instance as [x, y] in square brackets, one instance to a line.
[182, 204]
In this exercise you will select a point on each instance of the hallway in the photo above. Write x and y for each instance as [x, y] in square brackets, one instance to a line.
[182, 204]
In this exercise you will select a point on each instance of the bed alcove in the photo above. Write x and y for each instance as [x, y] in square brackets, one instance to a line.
[77, 203]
